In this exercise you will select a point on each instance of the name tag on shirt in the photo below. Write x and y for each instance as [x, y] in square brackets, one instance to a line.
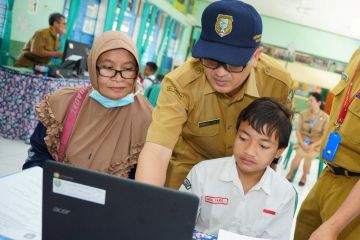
[208, 123]
[216, 200]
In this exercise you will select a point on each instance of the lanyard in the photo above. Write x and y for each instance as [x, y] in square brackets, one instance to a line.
[313, 122]
[346, 102]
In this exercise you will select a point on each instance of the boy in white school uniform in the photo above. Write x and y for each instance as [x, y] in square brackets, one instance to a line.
[241, 193]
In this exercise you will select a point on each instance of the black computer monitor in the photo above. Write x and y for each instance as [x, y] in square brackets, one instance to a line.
[75, 56]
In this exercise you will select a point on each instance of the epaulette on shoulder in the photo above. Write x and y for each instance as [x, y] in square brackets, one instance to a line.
[187, 72]
[272, 68]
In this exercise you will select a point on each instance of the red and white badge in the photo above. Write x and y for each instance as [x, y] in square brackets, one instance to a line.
[268, 211]
[216, 200]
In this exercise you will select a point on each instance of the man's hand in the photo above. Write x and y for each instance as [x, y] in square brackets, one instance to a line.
[58, 54]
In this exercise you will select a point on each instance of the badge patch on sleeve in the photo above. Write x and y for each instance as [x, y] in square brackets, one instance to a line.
[174, 90]
[187, 184]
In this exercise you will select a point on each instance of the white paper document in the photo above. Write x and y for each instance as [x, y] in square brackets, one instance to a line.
[21, 205]
[226, 235]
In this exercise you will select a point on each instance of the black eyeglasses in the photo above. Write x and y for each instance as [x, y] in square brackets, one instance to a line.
[212, 64]
[108, 72]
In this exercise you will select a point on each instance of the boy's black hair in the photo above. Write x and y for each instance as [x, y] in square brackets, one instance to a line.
[267, 116]
[55, 17]
[152, 66]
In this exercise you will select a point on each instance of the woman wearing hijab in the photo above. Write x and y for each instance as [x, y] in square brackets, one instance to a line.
[309, 132]
[109, 127]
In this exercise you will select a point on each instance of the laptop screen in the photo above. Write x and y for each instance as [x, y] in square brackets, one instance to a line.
[84, 204]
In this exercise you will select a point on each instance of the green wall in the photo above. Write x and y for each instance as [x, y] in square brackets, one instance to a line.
[26, 22]
[308, 40]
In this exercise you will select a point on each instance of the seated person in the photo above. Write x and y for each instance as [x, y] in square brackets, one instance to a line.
[107, 134]
[311, 127]
[242, 194]
[43, 44]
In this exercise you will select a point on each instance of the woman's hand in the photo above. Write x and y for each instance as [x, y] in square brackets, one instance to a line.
[305, 147]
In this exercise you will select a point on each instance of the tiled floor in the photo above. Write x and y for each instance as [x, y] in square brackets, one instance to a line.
[13, 154]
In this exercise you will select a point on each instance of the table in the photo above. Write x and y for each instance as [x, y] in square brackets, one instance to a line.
[19, 92]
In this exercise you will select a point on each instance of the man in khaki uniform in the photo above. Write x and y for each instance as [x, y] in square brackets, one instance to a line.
[332, 207]
[44, 44]
[195, 117]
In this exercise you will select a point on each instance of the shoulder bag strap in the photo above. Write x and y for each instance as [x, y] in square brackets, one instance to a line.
[71, 115]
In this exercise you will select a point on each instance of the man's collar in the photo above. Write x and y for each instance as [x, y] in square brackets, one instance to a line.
[53, 33]
[250, 85]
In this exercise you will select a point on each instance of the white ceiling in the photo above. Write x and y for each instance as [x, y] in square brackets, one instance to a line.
[337, 16]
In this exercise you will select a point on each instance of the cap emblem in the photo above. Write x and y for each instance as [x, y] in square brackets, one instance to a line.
[223, 25]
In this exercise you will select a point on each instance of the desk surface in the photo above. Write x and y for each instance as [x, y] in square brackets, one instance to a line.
[21, 209]
[19, 92]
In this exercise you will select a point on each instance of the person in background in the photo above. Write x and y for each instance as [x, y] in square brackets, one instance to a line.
[43, 44]
[152, 93]
[200, 100]
[107, 134]
[241, 193]
[149, 75]
[332, 208]
[311, 128]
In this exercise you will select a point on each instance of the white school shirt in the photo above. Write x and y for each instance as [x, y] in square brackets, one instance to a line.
[265, 211]
[148, 81]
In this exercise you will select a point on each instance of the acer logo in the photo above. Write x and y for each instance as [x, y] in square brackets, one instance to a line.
[61, 210]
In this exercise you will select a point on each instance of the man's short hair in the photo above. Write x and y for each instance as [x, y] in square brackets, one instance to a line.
[152, 66]
[55, 17]
[267, 116]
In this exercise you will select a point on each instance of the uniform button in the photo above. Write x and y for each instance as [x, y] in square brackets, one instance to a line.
[198, 70]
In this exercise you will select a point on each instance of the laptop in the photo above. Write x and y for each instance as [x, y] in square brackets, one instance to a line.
[84, 204]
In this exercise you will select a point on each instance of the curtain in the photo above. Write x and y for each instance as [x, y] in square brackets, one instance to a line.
[164, 35]
[71, 20]
[149, 30]
[167, 45]
[124, 4]
[144, 17]
[6, 37]
[110, 14]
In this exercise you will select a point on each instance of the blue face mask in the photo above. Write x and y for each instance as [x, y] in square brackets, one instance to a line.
[110, 103]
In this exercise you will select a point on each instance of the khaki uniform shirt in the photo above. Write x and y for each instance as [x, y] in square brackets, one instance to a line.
[348, 153]
[42, 39]
[199, 123]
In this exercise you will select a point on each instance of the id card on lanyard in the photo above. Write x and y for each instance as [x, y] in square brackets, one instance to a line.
[334, 139]
[311, 123]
